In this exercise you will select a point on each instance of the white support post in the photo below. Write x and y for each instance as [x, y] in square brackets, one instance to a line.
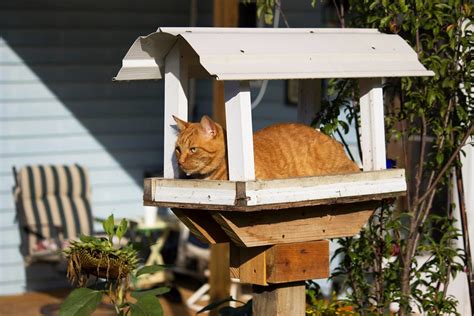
[238, 112]
[309, 99]
[176, 103]
[372, 124]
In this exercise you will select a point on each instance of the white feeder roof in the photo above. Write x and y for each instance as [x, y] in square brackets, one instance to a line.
[265, 53]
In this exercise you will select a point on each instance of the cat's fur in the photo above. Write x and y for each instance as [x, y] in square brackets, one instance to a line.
[280, 151]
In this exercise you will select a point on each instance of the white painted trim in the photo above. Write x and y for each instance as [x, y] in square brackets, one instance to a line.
[139, 63]
[238, 112]
[180, 30]
[256, 54]
[372, 124]
[322, 192]
[280, 191]
[176, 103]
[195, 196]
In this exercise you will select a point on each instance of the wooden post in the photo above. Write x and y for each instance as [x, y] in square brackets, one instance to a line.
[309, 99]
[372, 124]
[289, 298]
[279, 300]
[176, 103]
[226, 14]
[238, 110]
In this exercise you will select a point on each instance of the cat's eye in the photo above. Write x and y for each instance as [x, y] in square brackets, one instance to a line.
[178, 150]
[193, 149]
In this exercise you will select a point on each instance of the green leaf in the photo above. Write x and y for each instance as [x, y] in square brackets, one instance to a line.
[87, 239]
[81, 302]
[439, 158]
[122, 228]
[150, 269]
[157, 291]
[147, 305]
[268, 17]
[260, 11]
[108, 225]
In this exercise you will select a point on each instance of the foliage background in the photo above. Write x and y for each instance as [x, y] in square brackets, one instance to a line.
[436, 114]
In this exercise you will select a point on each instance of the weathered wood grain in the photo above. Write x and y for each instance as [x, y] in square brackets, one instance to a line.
[202, 225]
[280, 263]
[253, 265]
[248, 196]
[297, 262]
[234, 261]
[254, 229]
[286, 299]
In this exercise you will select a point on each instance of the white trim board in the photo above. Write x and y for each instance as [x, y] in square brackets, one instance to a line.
[274, 194]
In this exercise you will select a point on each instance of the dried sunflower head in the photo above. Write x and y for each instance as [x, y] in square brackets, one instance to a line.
[97, 256]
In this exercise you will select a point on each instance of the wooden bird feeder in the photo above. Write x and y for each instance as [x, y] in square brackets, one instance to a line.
[278, 229]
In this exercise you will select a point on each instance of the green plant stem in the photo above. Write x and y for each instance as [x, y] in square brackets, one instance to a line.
[422, 156]
[447, 165]
[345, 144]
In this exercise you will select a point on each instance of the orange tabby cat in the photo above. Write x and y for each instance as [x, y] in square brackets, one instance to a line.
[280, 151]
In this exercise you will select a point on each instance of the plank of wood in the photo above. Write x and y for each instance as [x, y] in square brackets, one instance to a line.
[281, 263]
[234, 261]
[253, 265]
[219, 279]
[218, 101]
[202, 225]
[372, 124]
[226, 13]
[239, 131]
[309, 100]
[254, 229]
[279, 300]
[176, 103]
[192, 191]
[277, 194]
[337, 187]
[297, 261]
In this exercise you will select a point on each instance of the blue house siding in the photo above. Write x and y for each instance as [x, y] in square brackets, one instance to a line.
[58, 104]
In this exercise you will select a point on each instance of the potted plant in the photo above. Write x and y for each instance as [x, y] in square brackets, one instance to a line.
[99, 267]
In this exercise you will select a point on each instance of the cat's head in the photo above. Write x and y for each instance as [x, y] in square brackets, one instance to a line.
[200, 147]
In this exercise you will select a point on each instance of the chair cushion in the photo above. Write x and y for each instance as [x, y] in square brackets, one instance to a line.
[53, 202]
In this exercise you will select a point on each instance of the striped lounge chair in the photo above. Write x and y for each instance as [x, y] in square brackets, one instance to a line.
[53, 206]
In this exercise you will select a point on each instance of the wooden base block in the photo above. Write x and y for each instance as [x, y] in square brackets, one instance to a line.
[281, 263]
[299, 261]
[279, 300]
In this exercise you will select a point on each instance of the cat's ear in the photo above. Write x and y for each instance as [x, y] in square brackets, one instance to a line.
[181, 124]
[209, 126]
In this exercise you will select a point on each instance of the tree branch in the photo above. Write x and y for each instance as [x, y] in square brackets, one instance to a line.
[278, 3]
[344, 143]
[339, 15]
[422, 156]
[447, 165]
